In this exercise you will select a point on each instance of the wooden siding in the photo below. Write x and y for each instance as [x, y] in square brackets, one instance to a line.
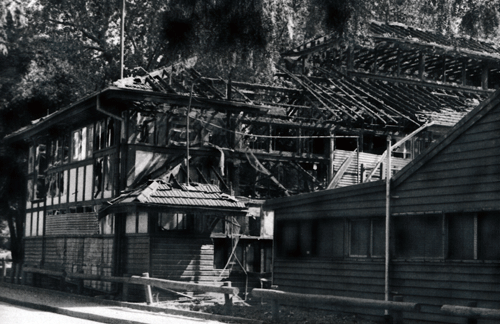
[92, 255]
[463, 176]
[137, 254]
[33, 247]
[72, 224]
[431, 283]
[326, 277]
[367, 199]
[186, 259]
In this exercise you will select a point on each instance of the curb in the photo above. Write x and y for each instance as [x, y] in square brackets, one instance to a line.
[104, 302]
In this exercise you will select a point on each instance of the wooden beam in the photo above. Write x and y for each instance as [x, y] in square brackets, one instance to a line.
[421, 68]
[484, 76]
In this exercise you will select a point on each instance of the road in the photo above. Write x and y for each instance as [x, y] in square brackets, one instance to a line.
[20, 315]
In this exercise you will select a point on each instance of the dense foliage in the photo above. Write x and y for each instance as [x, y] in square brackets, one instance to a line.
[53, 52]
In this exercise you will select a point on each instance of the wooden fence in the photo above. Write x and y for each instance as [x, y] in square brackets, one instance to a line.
[147, 282]
[396, 307]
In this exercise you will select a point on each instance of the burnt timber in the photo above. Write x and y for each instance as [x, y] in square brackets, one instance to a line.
[321, 124]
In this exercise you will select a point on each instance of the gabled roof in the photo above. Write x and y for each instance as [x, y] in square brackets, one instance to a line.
[463, 125]
[174, 195]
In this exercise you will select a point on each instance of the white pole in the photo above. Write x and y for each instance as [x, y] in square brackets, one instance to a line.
[387, 216]
[187, 132]
[122, 37]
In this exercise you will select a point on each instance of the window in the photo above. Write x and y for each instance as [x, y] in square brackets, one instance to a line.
[107, 224]
[330, 238]
[40, 169]
[461, 236]
[367, 237]
[172, 221]
[418, 236]
[488, 228]
[297, 238]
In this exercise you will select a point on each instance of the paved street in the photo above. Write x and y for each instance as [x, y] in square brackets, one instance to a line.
[20, 315]
[22, 304]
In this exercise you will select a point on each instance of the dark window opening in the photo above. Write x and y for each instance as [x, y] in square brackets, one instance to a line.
[460, 237]
[488, 235]
[418, 237]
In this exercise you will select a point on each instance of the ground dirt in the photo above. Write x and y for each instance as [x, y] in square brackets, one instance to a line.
[263, 312]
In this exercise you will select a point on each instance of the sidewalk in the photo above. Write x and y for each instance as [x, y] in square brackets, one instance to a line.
[105, 311]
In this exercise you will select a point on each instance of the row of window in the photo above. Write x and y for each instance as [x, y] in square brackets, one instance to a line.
[76, 146]
[77, 184]
[470, 236]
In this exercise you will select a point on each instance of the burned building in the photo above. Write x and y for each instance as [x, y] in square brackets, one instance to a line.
[116, 175]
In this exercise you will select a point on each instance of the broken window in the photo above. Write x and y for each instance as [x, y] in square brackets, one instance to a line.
[108, 177]
[172, 221]
[40, 169]
[98, 177]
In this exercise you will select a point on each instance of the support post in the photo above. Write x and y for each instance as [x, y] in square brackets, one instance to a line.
[80, 284]
[125, 289]
[472, 320]
[387, 217]
[62, 282]
[4, 270]
[484, 76]
[13, 272]
[228, 300]
[147, 289]
[397, 316]
[18, 273]
[24, 274]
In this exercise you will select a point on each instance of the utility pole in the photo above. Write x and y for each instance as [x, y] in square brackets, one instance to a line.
[122, 37]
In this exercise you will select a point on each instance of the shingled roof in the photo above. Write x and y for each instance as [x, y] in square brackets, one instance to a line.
[158, 193]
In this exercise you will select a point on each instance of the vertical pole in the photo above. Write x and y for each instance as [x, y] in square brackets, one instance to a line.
[122, 36]
[228, 299]
[397, 317]
[187, 132]
[331, 166]
[125, 288]
[147, 289]
[4, 270]
[387, 216]
[472, 320]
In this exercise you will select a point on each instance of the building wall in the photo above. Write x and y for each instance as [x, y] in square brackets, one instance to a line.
[462, 177]
[445, 226]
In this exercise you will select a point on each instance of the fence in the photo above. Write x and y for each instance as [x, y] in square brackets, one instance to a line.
[396, 307]
[147, 282]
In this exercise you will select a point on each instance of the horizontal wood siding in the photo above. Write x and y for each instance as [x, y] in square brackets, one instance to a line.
[72, 224]
[33, 251]
[338, 278]
[452, 283]
[183, 258]
[367, 200]
[430, 283]
[73, 254]
[464, 176]
[98, 259]
[137, 254]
